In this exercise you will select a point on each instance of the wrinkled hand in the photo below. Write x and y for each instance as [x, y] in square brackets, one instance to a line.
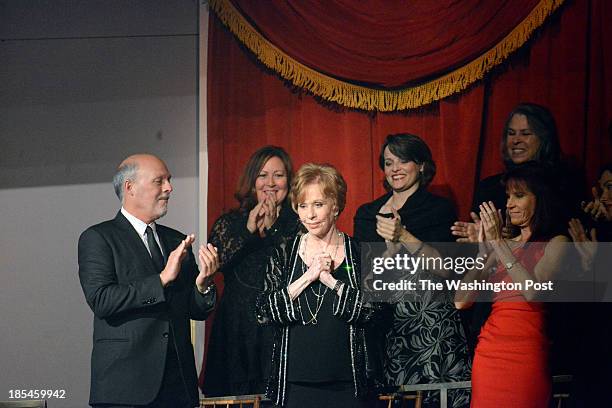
[321, 263]
[467, 231]
[595, 209]
[326, 278]
[492, 221]
[173, 266]
[585, 245]
[209, 263]
[390, 229]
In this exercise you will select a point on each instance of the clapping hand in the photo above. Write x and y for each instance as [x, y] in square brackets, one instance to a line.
[491, 220]
[390, 229]
[467, 231]
[585, 245]
[263, 215]
[209, 263]
[596, 209]
[270, 214]
[173, 266]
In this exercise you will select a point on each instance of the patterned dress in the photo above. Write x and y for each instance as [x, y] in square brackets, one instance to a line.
[424, 340]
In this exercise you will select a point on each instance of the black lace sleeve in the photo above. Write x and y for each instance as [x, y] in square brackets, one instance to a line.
[230, 235]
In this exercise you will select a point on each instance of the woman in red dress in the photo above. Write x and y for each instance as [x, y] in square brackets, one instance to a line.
[510, 366]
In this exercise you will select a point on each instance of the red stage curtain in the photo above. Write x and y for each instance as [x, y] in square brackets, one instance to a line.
[567, 68]
[388, 43]
[383, 56]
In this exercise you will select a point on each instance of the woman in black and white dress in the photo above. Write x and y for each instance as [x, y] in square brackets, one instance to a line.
[313, 298]
[424, 341]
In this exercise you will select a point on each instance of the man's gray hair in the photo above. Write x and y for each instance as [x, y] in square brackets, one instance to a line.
[124, 172]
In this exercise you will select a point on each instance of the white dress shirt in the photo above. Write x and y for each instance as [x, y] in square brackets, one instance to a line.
[141, 229]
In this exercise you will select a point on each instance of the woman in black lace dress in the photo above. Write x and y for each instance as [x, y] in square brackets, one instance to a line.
[425, 341]
[239, 353]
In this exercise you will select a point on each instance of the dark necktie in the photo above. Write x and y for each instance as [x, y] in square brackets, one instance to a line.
[158, 259]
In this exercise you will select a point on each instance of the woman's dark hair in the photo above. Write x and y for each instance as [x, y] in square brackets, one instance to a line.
[539, 180]
[245, 193]
[542, 124]
[603, 169]
[409, 147]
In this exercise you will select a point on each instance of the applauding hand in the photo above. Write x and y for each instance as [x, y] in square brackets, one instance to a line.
[270, 214]
[467, 231]
[173, 266]
[209, 263]
[595, 208]
[491, 220]
[263, 216]
[585, 245]
[390, 229]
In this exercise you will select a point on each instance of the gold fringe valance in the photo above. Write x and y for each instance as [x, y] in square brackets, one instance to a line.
[373, 99]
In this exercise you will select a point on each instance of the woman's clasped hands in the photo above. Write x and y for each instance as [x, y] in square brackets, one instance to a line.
[263, 216]
[321, 264]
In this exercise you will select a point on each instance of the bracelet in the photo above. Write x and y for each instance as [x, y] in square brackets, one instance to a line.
[510, 264]
[207, 290]
[338, 285]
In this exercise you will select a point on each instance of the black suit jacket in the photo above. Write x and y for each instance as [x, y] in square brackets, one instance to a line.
[133, 312]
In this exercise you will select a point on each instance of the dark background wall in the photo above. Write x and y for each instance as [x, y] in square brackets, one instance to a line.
[82, 85]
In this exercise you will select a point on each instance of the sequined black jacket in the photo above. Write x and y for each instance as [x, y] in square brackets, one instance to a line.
[275, 307]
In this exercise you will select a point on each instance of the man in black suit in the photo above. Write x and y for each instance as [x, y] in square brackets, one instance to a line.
[143, 285]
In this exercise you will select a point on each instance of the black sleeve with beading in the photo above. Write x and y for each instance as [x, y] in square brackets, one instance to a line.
[274, 305]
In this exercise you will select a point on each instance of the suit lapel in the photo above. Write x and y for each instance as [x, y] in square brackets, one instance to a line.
[135, 242]
[166, 242]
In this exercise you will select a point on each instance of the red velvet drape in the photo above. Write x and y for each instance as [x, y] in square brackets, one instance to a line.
[384, 42]
[567, 68]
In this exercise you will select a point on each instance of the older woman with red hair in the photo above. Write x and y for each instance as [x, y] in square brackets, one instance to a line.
[313, 299]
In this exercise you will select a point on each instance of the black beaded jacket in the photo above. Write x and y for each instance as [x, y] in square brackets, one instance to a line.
[275, 307]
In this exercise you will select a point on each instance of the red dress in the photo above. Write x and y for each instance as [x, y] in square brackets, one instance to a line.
[511, 359]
